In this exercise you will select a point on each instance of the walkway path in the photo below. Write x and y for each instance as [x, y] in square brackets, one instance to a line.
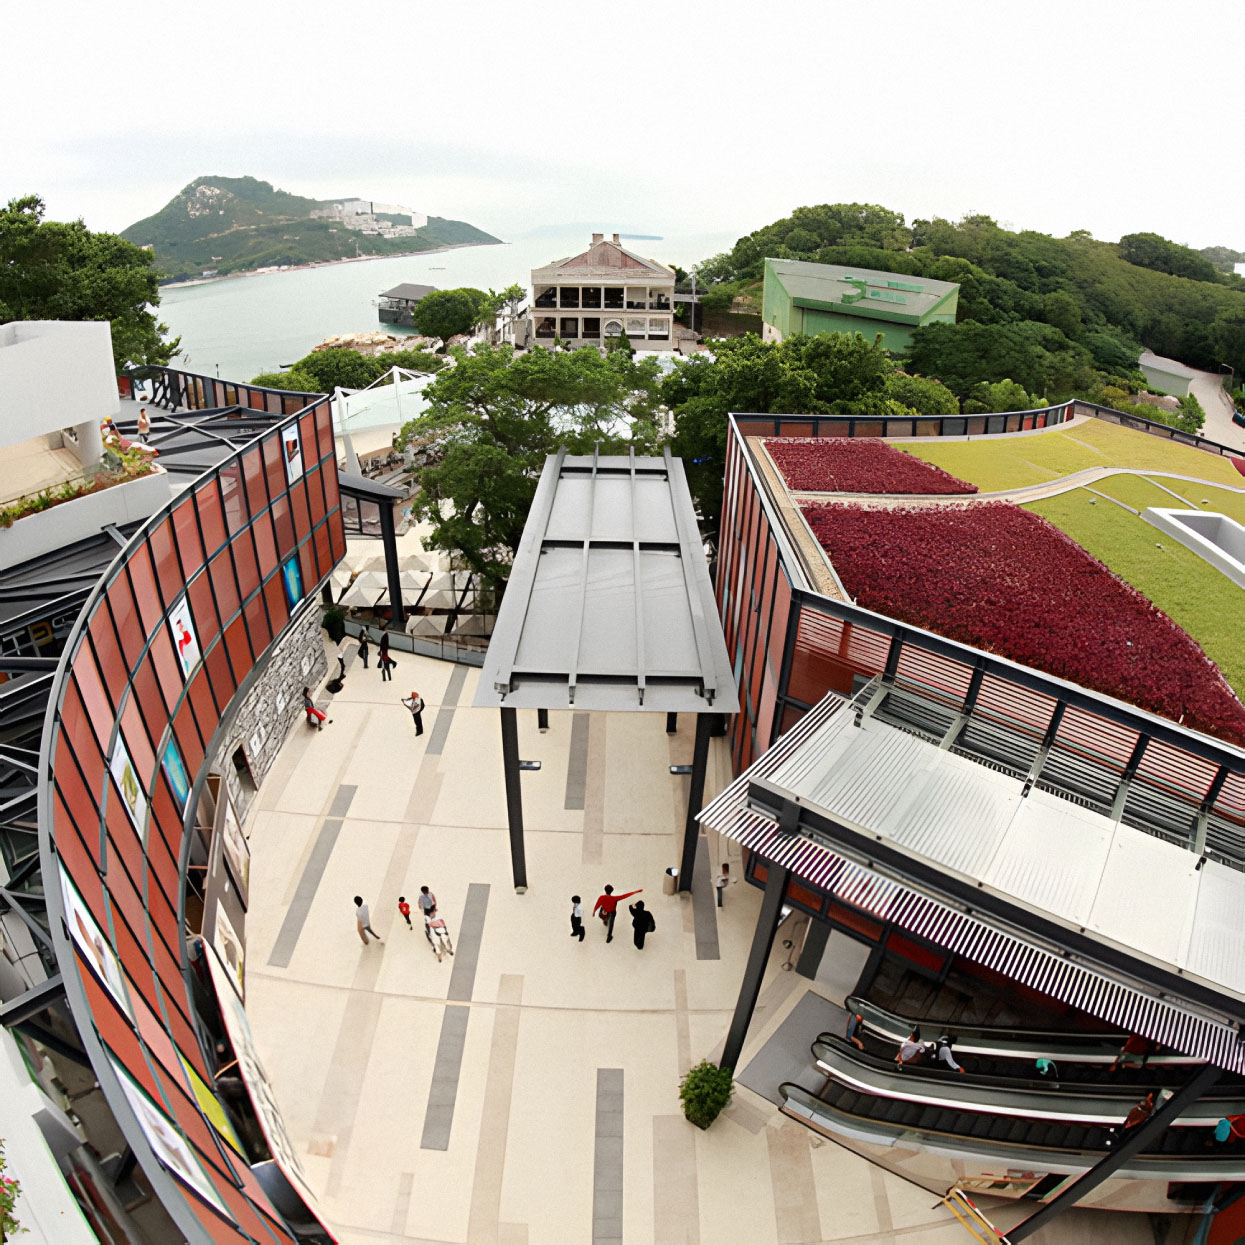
[525, 1091]
[1209, 391]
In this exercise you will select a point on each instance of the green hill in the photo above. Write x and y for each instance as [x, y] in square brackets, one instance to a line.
[234, 224]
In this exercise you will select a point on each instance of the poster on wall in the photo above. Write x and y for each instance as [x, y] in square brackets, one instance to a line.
[169, 1146]
[229, 946]
[292, 576]
[258, 1086]
[236, 851]
[185, 638]
[126, 777]
[90, 940]
[210, 1105]
[292, 452]
[175, 772]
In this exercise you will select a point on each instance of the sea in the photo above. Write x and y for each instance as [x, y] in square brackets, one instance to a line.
[241, 326]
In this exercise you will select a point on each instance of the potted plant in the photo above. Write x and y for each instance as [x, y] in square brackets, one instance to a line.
[704, 1091]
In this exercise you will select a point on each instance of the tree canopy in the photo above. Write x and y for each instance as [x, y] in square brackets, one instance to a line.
[491, 419]
[446, 313]
[52, 270]
[322, 371]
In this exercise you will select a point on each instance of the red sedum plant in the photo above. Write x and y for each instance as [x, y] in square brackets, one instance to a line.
[857, 465]
[1005, 580]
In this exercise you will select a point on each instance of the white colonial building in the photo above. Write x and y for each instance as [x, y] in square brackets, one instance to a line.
[602, 293]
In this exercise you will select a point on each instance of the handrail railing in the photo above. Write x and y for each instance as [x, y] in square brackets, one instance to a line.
[1154, 428]
[175, 389]
[896, 426]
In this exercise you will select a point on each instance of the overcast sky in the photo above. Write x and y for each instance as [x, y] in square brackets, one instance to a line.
[699, 117]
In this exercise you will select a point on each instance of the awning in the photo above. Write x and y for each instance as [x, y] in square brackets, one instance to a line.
[1046, 967]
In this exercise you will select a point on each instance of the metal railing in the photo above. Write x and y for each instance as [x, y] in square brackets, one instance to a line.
[175, 390]
[899, 426]
[447, 649]
[1137, 422]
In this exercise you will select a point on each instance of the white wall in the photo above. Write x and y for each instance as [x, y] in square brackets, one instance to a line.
[56, 374]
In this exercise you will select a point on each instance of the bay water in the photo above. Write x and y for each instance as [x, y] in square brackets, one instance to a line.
[241, 326]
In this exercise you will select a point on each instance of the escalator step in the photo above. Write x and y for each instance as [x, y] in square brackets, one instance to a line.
[1000, 1126]
[1019, 1130]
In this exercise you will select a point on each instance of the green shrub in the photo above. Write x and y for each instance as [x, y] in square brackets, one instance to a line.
[704, 1092]
[335, 623]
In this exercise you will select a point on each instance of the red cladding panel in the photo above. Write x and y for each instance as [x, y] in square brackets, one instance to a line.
[80, 732]
[189, 542]
[337, 537]
[136, 740]
[285, 528]
[200, 696]
[315, 495]
[203, 608]
[298, 499]
[307, 563]
[124, 896]
[324, 551]
[81, 863]
[143, 577]
[240, 655]
[243, 550]
[236, 510]
[253, 473]
[125, 616]
[168, 568]
[324, 428]
[187, 736]
[167, 669]
[257, 623]
[211, 516]
[113, 1027]
[265, 545]
[94, 696]
[147, 693]
[274, 596]
[112, 667]
[224, 587]
[223, 686]
[332, 495]
[274, 468]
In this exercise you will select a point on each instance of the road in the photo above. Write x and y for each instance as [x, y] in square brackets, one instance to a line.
[1209, 391]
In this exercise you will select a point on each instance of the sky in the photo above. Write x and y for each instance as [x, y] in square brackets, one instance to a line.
[709, 116]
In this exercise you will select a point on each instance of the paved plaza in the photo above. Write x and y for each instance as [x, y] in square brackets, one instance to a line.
[525, 1090]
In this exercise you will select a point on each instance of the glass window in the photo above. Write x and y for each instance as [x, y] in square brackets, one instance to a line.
[570, 326]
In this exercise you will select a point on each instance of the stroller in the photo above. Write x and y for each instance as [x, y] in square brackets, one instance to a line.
[438, 935]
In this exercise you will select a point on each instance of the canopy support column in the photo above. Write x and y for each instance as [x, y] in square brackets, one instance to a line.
[695, 798]
[762, 943]
[514, 796]
[1126, 1146]
[389, 539]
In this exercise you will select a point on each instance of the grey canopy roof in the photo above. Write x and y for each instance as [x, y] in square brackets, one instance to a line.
[609, 604]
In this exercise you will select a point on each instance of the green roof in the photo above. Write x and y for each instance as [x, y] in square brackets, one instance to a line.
[860, 291]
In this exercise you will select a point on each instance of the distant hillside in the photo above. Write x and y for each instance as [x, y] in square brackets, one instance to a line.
[234, 224]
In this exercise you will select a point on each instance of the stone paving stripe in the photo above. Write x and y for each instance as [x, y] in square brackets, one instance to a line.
[704, 905]
[467, 943]
[402, 1205]
[676, 1205]
[445, 714]
[341, 800]
[308, 884]
[607, 1160]
[442, 1093]
[795, 1190]
[577, 762]
[483, 1218]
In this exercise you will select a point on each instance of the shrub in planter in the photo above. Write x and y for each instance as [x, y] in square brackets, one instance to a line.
[335, 624]
[704, 1091]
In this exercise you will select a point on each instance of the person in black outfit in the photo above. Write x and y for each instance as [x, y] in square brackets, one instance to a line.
[641, 922]
[363, 650]
[382, 657]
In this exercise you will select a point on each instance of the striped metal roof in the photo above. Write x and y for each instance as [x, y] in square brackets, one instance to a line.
[1210, 927]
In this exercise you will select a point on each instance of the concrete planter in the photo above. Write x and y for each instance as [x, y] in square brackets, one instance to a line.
[39, 534]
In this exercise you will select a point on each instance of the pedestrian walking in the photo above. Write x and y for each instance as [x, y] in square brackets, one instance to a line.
[363, 920]
[723, 881]
[314, 716]
[438, 935]
[383, 660]
[913, 1051]
[144, 426]
[405, 909]
[642, 923]
[341, 660]
[427, 902]
[1138, 1115]
[1134, 1053]
[415, 703]
[363, 649]
[1230, 1128]
[607, 906]
[577, 918]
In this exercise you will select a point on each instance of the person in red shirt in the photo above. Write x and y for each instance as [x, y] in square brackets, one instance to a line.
[607, 905]
[1134, 1054]
[405, 909]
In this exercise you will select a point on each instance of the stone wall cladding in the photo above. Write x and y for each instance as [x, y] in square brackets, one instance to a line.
[262, 718]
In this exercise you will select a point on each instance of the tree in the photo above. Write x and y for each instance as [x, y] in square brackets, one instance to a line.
[295, 380]
[447, 313]
[492, 419]
[1150, 250]
[1060, 309]
[340, 366]
[51, 270]
[1002, 395]
[921, 395]
[829, 373]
